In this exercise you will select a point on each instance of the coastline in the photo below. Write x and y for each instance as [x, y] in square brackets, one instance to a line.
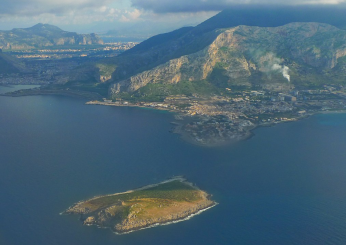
[332, 112]
[174, 178]
[186, 210]
[185, 136]
[177, 125]
[188, 217]
[128, 105]
[168, 222]
[70, 93]
[245, 134]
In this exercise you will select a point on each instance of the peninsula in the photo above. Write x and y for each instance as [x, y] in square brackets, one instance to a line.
[221, 79]
[170, 201]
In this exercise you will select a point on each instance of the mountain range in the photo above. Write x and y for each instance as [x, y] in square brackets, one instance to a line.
[43, 35]
[229, 50]
[237, 48]
[301, 54]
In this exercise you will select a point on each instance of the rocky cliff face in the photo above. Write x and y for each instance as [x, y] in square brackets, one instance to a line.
[78, 39]
[239, 53]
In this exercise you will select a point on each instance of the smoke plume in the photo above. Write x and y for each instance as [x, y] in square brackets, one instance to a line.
[283, 69]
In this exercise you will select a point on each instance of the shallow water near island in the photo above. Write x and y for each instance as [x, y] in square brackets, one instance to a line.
[285, 185]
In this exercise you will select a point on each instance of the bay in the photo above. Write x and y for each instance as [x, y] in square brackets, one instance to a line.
[285, 185]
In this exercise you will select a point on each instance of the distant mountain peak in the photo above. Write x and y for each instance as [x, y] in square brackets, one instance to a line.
[248, 56]
[273, 17]
[46, 27]
[44, 35]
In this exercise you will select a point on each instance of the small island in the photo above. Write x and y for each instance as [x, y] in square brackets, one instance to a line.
[170, 201]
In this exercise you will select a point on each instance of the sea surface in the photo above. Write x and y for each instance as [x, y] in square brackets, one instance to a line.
[285, 185]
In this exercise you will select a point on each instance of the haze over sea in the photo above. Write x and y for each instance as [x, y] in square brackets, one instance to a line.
[285, 185]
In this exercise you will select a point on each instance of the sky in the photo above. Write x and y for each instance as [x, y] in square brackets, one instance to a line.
[152, 16]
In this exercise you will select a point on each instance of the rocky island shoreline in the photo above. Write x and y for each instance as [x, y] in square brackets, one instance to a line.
[171, 201]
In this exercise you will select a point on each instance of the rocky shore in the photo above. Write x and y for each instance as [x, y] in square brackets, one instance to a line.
[130, 225]
[171, 201]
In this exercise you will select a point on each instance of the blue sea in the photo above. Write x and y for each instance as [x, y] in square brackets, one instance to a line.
[285, 185]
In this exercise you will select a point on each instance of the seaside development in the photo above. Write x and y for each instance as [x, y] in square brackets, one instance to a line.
[221, 83]
[211, 120]
[168, 202]
[215, 120]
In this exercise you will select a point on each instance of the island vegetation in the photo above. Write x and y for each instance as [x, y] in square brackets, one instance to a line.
[169, 201]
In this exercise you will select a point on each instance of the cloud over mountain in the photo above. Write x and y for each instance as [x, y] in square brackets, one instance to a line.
[36, 7]
[100, 15]
[168, 6]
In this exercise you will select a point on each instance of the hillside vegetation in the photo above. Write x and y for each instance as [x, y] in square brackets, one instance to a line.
[310, 53]
[158, 204]
[230, 50]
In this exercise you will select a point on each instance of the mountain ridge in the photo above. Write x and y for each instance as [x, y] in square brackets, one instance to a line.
[162, 48]
[43, 35]
[248, 56]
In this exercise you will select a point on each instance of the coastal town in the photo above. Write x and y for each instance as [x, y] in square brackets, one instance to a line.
[106, 50]
[218, 120]
[54, 65]
[222, 119]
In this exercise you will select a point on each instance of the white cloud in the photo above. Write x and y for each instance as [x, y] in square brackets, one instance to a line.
[131, 15]
[324, 1]
[135, 14]
[103, 9]
[172, 13]
[37, 7]
[169, 6]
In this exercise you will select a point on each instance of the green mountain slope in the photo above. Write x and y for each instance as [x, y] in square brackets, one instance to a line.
[187, 54]
[43, 35]
[307, 54]
[165, 47]
[9, 64]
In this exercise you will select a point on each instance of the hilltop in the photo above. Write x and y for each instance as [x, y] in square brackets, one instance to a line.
[43, 35]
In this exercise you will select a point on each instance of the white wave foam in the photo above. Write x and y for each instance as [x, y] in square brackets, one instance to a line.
[169, 222]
